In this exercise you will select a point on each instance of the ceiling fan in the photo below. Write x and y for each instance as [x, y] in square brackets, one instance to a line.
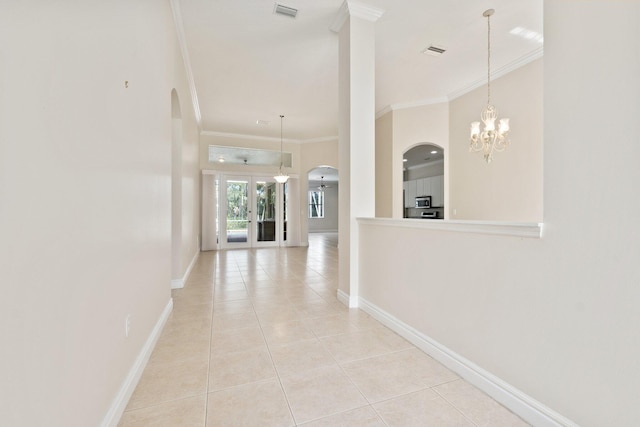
[322, 185]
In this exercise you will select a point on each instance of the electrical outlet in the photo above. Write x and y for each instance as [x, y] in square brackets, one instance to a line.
[127, 326]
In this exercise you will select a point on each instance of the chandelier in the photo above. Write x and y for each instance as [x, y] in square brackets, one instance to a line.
[489, 139]
[281, 177]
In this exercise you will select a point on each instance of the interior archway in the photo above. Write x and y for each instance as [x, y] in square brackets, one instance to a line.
[322, 200]
[423, 182]
[176, 191]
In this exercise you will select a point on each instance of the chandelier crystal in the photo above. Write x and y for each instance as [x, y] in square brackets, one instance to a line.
[490, 138]
[281, 177]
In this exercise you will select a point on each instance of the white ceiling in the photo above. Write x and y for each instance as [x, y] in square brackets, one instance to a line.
[250, 64]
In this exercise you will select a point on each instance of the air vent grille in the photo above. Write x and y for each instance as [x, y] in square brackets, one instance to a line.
[434, 50]
[285, 10]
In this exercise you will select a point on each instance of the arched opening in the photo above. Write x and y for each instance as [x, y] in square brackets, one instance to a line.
[322, 202]
[423, 182]
[176, 191]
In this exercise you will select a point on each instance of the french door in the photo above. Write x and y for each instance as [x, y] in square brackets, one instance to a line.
[251, 212]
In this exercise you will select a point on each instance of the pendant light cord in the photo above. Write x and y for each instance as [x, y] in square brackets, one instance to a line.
[281, 162]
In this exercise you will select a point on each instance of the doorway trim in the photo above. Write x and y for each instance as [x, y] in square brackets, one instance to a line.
[212, 191]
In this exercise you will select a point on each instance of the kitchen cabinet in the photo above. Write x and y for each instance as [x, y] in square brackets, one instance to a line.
[432, 186]
[420, 188]
[412, 193]
[437, 190]
[426, 187]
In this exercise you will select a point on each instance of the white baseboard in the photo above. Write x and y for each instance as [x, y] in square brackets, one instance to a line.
[179, 283]
[346, 299]
[343, 297]
[518, 402]
[131, 381]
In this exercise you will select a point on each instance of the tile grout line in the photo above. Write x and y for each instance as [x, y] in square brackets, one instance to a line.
[452, 405]
[213, 294]
[286, 398]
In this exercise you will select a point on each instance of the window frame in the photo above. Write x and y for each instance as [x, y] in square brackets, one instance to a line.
[318, 204]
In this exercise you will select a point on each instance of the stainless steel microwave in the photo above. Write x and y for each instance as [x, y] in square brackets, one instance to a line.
[423, 202]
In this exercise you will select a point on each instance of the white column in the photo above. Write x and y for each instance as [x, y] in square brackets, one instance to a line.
[356, 134]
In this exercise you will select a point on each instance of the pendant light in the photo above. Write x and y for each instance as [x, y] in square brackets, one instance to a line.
[281, 177]
[491, 138]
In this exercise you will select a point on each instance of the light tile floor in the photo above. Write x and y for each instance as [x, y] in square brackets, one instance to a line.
[258, 338]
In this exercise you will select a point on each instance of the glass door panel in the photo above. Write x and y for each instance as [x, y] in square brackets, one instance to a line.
[266, 212]
[238, 212]
[251, 210]
[285, 201]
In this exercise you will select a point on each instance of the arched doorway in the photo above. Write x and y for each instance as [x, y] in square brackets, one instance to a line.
[322, 200]
[176, 191]
[423, 182]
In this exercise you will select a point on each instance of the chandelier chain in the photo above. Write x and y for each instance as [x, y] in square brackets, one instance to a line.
[489, 59]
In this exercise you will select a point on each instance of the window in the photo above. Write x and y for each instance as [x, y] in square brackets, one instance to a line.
[316, 204]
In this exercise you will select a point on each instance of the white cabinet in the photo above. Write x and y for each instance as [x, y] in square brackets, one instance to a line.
[437, 191]
[412, 193]
[420, 187]
[426, 186]
[432, 186]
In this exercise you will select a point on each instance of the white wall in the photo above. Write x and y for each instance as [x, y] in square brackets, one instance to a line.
[384, 166]
[85, 214]
[554, 317]
[510, 187]
[415, 126]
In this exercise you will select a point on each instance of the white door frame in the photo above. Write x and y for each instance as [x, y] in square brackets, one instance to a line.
[214, 204]
[252, 228]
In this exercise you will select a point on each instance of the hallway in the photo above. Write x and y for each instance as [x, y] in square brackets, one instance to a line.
[258, 338]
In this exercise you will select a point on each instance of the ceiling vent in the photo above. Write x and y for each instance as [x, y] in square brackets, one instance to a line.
[434, 50]
[285, 10]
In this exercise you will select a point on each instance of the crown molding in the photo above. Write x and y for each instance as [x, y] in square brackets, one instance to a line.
[242, 136]
[384, 111]
[433, 162]
[267, 138]
[511, 66]
[357, 10]
[321, 139]
[402, 106]
[178, 22]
